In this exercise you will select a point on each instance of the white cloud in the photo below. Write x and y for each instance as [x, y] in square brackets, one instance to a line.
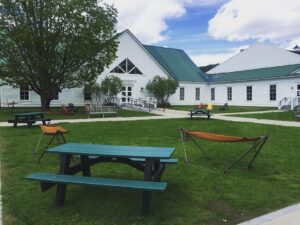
[147, 19]
[206, 58]
[264, 20]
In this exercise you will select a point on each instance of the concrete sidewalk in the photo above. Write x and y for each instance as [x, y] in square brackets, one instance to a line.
[167, 114]
[286, 216]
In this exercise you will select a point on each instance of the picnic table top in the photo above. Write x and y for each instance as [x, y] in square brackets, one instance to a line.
[29, 114]
[114, 150]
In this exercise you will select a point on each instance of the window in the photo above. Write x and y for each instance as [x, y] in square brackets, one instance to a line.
[126, 66]
[249, 93]
[212, 94]
[197, 97]
[87, 96]
[273, 92]
[24, 93]
[56, 97]
[229, 93]
[181, 94]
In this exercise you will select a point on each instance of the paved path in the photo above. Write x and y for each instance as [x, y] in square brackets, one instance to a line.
[286, 216]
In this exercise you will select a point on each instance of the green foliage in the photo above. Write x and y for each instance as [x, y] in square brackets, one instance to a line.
[94, 90]
[53, 45]
[105, 92]
[110, 87]
[162, 88]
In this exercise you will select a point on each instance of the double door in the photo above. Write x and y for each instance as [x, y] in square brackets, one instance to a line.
[126, 94]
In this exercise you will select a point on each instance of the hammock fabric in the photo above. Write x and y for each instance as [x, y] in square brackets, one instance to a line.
[256, 144]
[53, 130]
[219, 137]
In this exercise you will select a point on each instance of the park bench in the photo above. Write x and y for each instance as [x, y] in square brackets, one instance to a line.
[200, 112]
[101, 110]
[224, 107]
[29, 118]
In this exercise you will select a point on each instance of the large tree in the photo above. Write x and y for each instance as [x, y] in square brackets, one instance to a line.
[52, 45]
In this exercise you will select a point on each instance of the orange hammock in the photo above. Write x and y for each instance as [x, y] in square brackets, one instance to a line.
[257, 143]
[219, 137]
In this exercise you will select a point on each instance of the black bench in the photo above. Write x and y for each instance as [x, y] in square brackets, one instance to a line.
[200, 112]
[28, 121]
[29, 118]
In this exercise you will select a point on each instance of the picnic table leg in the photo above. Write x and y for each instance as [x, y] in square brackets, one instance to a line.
[65, 161]
[146, 195]
[86, 171]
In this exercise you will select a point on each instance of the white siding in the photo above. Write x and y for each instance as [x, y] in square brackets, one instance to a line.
[260, 92]
[9, 94]
[189, 94]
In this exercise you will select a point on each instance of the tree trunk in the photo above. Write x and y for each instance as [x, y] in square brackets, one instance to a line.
[45, 103]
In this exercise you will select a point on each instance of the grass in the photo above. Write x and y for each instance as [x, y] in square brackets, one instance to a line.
[197, 193]
[232, 109]
[284, 116]
[56, 113]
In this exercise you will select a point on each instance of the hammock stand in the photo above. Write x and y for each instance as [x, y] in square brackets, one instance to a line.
[256, 146]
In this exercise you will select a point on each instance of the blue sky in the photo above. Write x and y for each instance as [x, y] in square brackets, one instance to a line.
[190, 32]
[211, 31]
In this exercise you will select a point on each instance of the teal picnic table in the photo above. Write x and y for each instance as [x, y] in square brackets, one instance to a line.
[149, 160]
[29, 118]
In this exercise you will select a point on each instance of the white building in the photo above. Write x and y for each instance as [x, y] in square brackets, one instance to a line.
[260, 76]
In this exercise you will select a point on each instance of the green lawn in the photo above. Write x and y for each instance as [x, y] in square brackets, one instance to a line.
[285, 116]
[56, 113]
[232, 109]
[197, 193]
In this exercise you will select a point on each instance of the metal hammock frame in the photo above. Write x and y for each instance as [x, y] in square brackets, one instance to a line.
[257, 144]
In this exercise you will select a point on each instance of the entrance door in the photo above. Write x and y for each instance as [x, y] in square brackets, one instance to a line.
[126, 94]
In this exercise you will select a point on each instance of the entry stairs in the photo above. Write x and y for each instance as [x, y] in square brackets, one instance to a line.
[289, 103]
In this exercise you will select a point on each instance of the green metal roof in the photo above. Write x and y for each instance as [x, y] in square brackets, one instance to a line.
[177, 63]
[256, 74]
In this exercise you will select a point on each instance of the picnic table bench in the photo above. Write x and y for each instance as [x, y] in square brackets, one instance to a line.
[200, 112]
[29, 118]
[149, 160]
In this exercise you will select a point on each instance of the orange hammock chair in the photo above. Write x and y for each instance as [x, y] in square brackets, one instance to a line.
[51, 130]
[257, 143]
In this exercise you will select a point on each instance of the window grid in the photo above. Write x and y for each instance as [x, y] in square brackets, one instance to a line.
[197, 97]
[181, 94]
[126, 66]
[272, 92]
[24, 93]
[229, 93]
[249, 93]
[212, 94]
